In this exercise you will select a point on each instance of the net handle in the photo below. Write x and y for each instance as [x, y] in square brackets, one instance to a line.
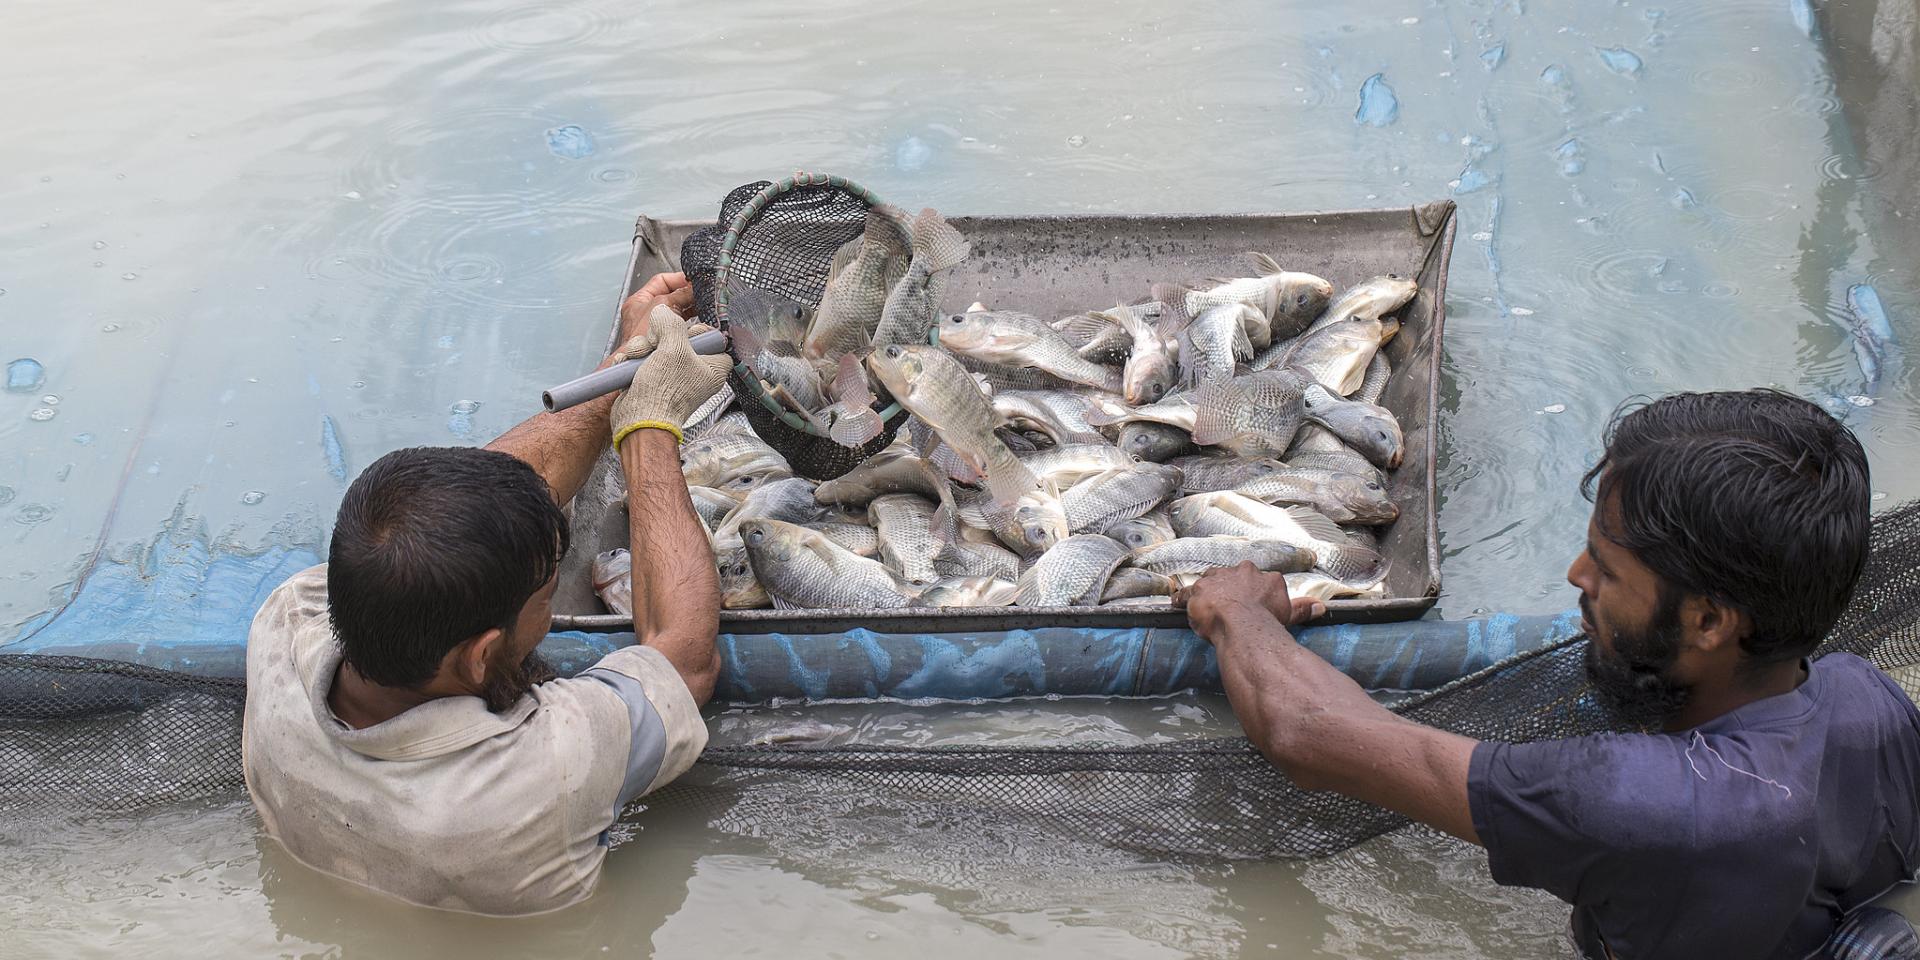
[723, 272]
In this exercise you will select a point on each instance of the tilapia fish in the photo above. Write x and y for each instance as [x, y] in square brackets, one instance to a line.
[1131, 582]
[739, 589]
[1214, 342]
[778, 364]
[613, 580]
[1096, 337]
[1316, 448]
[850, 419]
[1319, 586]
[1145, 531]
[1031, 524]
[801, 568]
[733, 463]
[856, 537]
[914, 300]
[1254, 415]
[1154, 442]
[1112, 496]
[712, 506]
[1073, 573]
[965, 559]
[1063, 466]
[1287, 300]
[896, 469]
[1060, 414]
[1175, 411]
[907, 543]
[1373, 430]
[969, 592]
[933, 386]
[851, 306]
[1205, 474]
[1338, 353]
[1340, 496]
[1230, 514]
[791, 500]
[1200, 554]
[1150, 367]
[1369, 300]
[1022, 340]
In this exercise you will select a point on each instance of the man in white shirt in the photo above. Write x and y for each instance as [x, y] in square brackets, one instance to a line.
[401, 732]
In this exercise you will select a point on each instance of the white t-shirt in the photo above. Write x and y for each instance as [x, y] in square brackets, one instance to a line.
[450, 805]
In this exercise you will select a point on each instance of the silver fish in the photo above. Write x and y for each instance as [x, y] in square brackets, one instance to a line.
[851, 306]
[1063, 466]
[733, 463]
[1224, 513]
[1254, 415]
[613, 580]
[932, 385]
[712, 506]
[1144, 531]
[907, 543]
[1028, 526]
[1316, 448]
[1369, 299]
[969, 592]
[1111, 496]
[1287, 300]
[1214, 342]
[739, 589]
[810, 732]
[1320, 586]
[1174, 411]
[779, 364]
[1095, 337]
[801, 568]
[1073, 573]
[1060, 414]
[1379, 371]
[1200, 554]
[791, 500]
[1154, 442]
[1339, 496]
[915, 299]
[1371, 429]
[1150, 368]
[1205, 474]
[1337, 354]
[897, 469]
[855, 537]
[1022, 340]
[1130, 582]
[964, 559]
[850, 419]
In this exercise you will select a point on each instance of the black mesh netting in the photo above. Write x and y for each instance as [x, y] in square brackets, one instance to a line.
[76, 732]
[782, 257]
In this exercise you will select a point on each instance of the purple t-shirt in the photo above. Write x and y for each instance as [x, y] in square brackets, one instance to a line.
[1747, 836]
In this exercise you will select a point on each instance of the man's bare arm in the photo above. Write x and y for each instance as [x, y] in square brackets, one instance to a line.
[562, 447]
[676, 593]
[1314, 722]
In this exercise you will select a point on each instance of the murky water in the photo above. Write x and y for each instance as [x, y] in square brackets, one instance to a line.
[253, 247]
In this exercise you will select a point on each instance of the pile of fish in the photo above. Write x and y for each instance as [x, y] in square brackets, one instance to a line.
[1104, 458]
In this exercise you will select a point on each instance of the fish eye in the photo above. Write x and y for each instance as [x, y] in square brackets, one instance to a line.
[740, 569]
[1301, 301]
[1373, 485]
[892, 351]
[956, 318]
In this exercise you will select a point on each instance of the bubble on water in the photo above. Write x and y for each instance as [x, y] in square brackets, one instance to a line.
[1621, 60]
[465, 406]
[1879, 495]
[1572, 157]
[6, 493]
[1076, 140]
[911, 154]
[1494, 56]
[357, 385]
[1721, 290]
[42, 414]
[83, 439]
[32, 513]
[1482, 236]
[1471, 179]
[1521, 312]
[129, 276]
[1378, 104]
[571, 142]
[25, 375]
[1683, 199]
[51, 400]
[1555, 76]
[99, 244]
[61, 475]
[1554, 408]
[1860, 401]
[613, 174]
[1842, 166]
[252, 497]
[109, 327]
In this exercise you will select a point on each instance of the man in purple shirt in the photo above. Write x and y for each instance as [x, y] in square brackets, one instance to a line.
[1771, 797]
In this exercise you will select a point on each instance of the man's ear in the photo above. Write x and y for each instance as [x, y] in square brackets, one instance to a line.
[471, 657]
[1711, 626]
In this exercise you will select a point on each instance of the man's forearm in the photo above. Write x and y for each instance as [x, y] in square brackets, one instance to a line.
[676, 593]
[561, 447]
[1325, 732]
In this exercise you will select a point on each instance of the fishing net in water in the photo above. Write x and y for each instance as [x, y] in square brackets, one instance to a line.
[771, 250]
[91, 734]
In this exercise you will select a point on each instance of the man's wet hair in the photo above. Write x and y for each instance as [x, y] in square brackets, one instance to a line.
[1756, 499]
[433, 545]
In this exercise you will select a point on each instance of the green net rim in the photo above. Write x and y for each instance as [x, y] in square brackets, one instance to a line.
[723, 272]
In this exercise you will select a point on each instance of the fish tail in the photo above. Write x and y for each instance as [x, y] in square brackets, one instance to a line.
[1007, 478]
[937, 243]
[1266, 264]
[855, 427]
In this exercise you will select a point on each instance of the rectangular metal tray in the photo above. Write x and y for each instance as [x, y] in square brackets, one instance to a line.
[1052, 266]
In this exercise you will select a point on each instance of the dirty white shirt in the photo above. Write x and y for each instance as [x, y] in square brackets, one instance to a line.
[450, 805]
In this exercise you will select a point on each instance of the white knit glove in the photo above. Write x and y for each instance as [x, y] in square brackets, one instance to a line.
[673, 382]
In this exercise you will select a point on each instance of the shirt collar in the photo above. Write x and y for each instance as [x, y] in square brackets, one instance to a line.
[432, 729]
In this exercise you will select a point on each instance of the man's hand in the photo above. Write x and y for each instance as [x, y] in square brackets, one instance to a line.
[671, 289]
[673, 382]
[1219, 593]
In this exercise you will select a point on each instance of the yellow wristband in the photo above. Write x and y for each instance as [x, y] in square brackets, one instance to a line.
[678, 437]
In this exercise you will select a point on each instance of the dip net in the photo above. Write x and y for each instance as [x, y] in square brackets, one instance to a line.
[78, 734]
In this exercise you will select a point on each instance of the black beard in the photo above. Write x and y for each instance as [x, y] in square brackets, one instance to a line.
[1631, 680]
[508, 681]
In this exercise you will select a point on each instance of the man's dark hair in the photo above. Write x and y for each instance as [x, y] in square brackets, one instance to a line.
[1756, 499]
[432, 546]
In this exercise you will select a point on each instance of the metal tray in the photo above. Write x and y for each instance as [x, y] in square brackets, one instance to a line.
[1052, 266]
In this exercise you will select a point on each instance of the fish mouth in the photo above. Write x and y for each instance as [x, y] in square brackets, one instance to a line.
[1393, 462]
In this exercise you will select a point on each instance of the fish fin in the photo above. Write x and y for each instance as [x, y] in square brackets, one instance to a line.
[1007, 477]
[888, 226]
[1266, 264]
[747, 345]
[1242, 345]
[849, 385]
[937, 242]
[1082, 328]
[856, 427]
[1115, 381]
[923, 438]
[1316, 524]
[844, 257]
[782, 603]
[1214, 422]
[1026, 588]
